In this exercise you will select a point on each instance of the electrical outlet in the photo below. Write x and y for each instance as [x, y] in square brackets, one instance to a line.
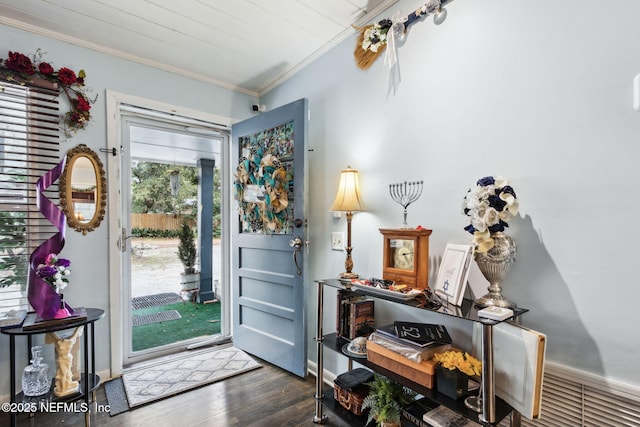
[337, 241]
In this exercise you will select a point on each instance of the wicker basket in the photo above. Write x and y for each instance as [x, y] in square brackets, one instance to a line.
[349, 389]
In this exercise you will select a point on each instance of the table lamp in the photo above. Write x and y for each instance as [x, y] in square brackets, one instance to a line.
[348, 200]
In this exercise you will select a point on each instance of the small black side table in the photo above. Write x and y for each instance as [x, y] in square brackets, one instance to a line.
[89, 380]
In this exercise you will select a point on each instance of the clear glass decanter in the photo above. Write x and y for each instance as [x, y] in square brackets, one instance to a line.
[35, 377]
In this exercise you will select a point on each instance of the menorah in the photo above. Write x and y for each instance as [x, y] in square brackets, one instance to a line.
[405, 193]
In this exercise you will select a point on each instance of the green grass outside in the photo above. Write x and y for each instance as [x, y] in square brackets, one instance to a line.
[197, 320]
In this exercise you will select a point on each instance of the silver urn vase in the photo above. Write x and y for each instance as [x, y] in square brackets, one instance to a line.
[494, 265]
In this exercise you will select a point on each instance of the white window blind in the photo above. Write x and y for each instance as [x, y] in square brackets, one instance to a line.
[29, 147]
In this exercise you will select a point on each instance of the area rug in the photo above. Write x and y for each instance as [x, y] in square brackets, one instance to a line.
[116, 397]
[147, 319]
[193, 369]
[148, 301]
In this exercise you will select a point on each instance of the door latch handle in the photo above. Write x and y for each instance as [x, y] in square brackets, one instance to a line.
[122, 240]
[296, 244]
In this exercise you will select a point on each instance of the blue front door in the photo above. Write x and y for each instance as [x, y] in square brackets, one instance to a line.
[269, 235]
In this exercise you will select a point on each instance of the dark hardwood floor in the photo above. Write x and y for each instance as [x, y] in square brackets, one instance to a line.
[268, 396]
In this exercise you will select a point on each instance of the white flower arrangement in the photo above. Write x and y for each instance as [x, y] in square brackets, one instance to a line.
[490, 205]
[375, 36]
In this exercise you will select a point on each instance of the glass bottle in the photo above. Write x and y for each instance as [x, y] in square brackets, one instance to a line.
[35, 377]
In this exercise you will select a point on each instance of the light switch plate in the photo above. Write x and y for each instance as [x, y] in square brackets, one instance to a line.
[337, 241]
[636, 93]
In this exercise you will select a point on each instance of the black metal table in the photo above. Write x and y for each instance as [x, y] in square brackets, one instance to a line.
[89, 380]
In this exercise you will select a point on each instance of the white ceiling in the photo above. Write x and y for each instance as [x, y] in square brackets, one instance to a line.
[244, 45]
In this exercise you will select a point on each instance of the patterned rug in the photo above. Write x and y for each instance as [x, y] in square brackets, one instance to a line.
[177, 374]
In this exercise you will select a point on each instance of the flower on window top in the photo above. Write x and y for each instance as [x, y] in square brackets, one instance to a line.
[489, 205]
[21, 69]
[55, 272]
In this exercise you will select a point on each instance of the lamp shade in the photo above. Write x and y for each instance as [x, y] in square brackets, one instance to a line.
[348, 198]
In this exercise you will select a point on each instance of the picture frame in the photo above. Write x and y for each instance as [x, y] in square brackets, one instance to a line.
[453, 273]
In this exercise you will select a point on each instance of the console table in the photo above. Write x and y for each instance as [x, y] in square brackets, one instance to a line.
[89, 380]
[494, 409]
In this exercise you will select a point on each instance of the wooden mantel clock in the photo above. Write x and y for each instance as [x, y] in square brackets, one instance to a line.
[406, 256]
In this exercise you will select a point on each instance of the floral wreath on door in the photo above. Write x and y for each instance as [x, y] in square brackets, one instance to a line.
[262, 190]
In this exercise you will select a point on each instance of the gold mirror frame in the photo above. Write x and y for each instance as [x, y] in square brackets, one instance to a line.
[99, 194]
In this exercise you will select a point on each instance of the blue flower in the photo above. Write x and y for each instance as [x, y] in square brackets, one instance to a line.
[496, 202]
[487, 180]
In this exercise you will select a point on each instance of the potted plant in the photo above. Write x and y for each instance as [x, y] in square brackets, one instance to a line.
[385, 401]
[187, 253]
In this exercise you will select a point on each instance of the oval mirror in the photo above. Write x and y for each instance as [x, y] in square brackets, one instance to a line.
[83, 194]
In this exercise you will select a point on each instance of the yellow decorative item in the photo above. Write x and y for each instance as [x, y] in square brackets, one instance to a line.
[461, 361]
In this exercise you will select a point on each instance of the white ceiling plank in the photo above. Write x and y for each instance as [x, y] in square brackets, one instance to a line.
[236, 28]
[245, 44]
[343, 13]
[287, 16]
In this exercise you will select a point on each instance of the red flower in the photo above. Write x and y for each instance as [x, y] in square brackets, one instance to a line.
[67, 76]
[45, 68]
[19, 63]
[82, 104]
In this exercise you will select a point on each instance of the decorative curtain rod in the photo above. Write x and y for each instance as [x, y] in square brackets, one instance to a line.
[374, 38]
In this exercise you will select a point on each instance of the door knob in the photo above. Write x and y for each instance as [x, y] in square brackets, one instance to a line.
[295, 243]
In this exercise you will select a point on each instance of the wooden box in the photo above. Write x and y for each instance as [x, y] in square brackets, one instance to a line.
[422, 373]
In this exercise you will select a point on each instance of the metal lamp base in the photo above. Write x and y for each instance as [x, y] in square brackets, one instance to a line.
[347, 275]
[494, 300]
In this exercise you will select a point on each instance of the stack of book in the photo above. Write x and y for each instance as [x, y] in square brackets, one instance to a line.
[423, 334]
[424, 413]
[416, 341]
[355, 315]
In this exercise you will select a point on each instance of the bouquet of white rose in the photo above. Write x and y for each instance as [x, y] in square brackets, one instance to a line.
[490, 204]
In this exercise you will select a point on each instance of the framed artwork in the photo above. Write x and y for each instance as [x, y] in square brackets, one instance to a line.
[453, 273]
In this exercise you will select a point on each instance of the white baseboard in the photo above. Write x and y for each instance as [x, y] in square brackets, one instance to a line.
[329, 376]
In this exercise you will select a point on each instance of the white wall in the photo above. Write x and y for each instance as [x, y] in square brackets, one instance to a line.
[89, 285]
[539, 93]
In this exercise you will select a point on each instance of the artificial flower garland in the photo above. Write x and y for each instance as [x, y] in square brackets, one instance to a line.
[21, 69]
[272, 180]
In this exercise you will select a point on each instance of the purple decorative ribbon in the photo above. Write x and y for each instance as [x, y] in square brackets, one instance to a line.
[44, 300]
